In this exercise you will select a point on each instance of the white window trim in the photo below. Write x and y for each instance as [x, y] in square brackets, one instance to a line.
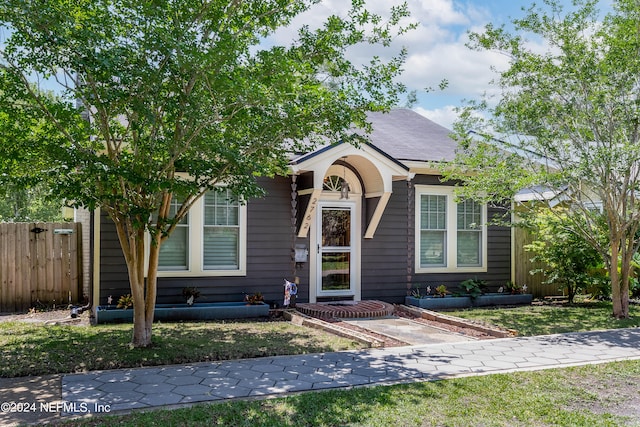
[452, 232]
[196, 240]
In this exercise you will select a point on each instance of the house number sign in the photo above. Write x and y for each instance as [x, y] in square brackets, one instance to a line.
[308, 214]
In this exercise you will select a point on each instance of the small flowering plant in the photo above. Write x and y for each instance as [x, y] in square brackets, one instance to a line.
[441, 291]
[254, 299]
[125, 301]
[513, 288]
[415, 292]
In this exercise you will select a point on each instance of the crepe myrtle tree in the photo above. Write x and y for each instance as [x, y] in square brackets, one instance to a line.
[180, 97]
[565, 125]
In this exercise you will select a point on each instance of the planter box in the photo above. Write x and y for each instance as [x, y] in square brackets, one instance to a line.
[502, 299]
[438, 303]
[198, 311]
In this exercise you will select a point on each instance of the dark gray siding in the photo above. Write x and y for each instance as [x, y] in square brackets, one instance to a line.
[388, 262]
[498, 255]
[387, 259]
[384, 257]
[269, 243]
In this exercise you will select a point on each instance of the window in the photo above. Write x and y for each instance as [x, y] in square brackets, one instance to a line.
[174, 253]
[469, 234]
[450, 236]
[210, 241]
[433, 230]
[221, 234]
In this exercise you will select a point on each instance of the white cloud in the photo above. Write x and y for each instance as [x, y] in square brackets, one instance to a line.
[436, 49]
[444, 116]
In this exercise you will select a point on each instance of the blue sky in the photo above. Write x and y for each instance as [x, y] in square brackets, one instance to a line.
[437, 48]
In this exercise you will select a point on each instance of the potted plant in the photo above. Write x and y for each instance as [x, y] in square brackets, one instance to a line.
[473, 287]
[441, 291]
[254, 299]
[513, 288]
[190, 293]
[125, 301]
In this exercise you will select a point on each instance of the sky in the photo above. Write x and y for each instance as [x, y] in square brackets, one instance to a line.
[436, 49]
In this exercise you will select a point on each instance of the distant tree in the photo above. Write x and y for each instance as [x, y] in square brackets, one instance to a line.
[32, 204]
[23, 134]
[184, 96]
[577, 100]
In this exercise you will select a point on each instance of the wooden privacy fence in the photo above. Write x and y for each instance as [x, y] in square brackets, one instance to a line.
[523, 266]
[39, 263]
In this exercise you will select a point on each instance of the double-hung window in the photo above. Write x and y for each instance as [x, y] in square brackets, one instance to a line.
[210, 241]
[221, 231]
[450, 236]
[174, 253]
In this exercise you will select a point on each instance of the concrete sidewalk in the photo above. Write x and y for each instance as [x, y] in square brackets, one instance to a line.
[125, 389]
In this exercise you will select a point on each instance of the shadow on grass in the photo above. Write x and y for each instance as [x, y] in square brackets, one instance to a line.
[28, 349]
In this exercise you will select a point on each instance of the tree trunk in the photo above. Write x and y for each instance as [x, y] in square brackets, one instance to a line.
[619, 282]
[144, 301]
[132, 242]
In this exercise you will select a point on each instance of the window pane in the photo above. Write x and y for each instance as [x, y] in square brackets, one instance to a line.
[433, 234]
[336, 227]
[469, 233]
[433, 212]
[336, 271]
[174, 250]
[221, 248]
[469, 249]
[221, 233]
[221, 208]
[469, 215]
[432, 249]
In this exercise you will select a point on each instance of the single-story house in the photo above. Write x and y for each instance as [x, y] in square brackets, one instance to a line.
[348, 223]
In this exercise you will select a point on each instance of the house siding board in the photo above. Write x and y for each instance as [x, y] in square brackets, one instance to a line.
[498, 263]
[269, 241]
[384, 259]
[114, 279]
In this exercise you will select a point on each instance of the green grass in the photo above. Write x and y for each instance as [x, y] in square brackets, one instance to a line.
[552, 319]
[28, 349]
[563, 397]
[596, 395]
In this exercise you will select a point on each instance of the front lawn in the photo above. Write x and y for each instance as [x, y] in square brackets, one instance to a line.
[30, 349]
[552, 318]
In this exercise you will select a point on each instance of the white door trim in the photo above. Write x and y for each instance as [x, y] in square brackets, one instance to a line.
[315, 264]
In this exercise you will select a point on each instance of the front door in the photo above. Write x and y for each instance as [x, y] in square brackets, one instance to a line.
[337, 252]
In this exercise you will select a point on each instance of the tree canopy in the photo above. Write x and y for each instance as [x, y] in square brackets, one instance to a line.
[566, 124]
[176, 98]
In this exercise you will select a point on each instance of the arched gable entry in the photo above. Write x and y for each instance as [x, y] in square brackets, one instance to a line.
[340, 179]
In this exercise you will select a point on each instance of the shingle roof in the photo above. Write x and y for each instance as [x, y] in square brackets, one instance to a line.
[407, 135]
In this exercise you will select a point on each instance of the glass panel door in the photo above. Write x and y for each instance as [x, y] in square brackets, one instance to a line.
[334, 250]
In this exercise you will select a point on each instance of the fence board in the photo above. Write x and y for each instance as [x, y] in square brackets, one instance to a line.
[523, 266]
[23, 297]
[39, 268]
